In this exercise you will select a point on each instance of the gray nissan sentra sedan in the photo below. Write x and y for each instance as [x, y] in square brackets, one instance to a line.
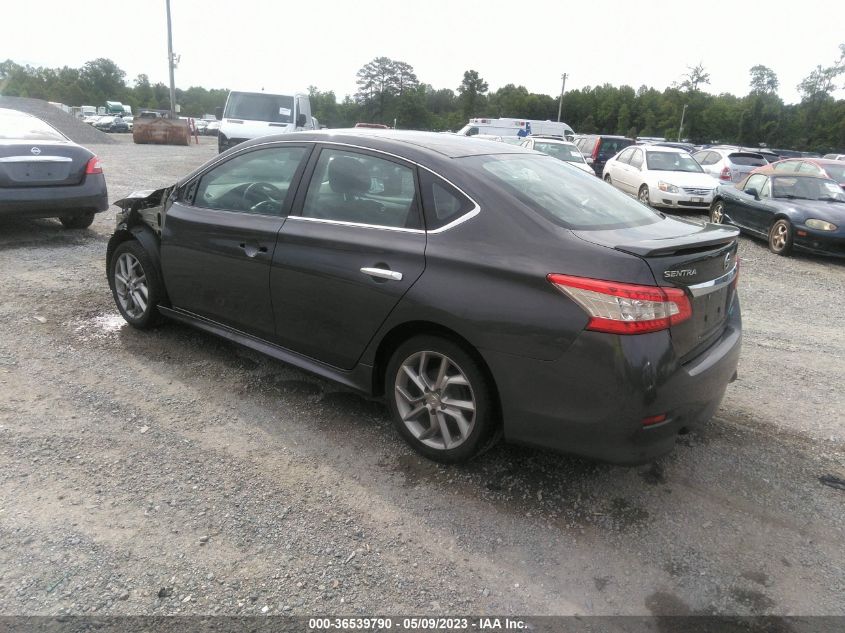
[481, 288]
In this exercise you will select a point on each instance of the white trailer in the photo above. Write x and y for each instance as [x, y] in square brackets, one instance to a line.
[516, 127]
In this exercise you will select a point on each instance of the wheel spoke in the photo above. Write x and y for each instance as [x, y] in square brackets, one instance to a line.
[444, 430]
[466, 405]
[441, 373]
[408, 397]
[432, 427]
[415, 378]
[139, 301]
[458, 379]
[460, 419]
[421, 371]
[413, 413]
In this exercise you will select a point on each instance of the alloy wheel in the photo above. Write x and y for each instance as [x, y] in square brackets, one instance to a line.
[717, 215]
[780, 235]
[130, 284]
[643, 195]
[435, 400]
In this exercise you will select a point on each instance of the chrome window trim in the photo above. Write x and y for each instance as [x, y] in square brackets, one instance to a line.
[713, 285]
[459, 220]
[360, 225]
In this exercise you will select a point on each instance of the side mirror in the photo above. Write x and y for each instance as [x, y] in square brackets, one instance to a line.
[751, 191]
[218, 113]
[300, 120]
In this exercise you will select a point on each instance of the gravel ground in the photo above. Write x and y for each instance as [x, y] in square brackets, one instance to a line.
[70, 126]
[172, 472]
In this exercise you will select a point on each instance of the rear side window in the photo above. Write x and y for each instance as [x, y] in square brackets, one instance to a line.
[442, 203]
[625, 156]
[353, 187]
[752, 160]
[637, 159]
[787, 167]
[568, 197]
[837, 172]
[808, 168]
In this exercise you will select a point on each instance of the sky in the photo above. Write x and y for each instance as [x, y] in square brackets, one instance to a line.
[250, 44]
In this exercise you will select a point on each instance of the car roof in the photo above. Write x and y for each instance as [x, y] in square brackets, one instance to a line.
[663, 148]
[411, 143]
[550, 139]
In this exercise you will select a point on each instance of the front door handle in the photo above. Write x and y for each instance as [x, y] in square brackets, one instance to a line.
[382, 273]
[253, 250]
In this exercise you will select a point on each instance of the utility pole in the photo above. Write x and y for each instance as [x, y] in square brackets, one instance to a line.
[681, 129]
[171, 62]
[560, 101]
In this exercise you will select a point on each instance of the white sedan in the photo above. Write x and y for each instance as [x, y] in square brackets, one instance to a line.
[560, 149]
[661, 177]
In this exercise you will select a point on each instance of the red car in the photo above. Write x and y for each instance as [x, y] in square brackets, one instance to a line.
[823, 167]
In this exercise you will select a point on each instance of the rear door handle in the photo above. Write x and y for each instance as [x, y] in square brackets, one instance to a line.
[382, 273]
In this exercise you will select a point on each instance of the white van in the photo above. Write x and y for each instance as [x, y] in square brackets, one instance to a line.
[512, 127]
[250, 114]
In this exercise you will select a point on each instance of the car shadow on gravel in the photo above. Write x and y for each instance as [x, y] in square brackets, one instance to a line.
[40, 233]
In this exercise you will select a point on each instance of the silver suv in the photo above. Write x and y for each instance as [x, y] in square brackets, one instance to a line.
[729, 164]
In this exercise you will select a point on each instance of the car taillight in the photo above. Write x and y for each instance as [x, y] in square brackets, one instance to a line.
[726, 174]
[620, 308]
[94, 166]
[596, 149]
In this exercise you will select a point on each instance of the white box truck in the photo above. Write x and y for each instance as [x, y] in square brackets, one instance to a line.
[253, 113]
[516, 127]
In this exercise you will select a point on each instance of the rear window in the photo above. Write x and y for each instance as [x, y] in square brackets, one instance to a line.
[752, 160]
[568, 153]
[613, 145]
[27, 128]
[568, 197]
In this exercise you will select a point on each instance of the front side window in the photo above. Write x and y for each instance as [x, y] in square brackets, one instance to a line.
[252, 182]
[808, 168]
[756, 182]
[568, 197]
[788, 166]
[354, 187]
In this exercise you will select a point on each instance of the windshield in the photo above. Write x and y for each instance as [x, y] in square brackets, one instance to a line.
[671, 161]
[569, 153]
[806, 189]
[259, 107]
[568, 197]
[28, 128]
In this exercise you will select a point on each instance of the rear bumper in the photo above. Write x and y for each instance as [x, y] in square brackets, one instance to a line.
[49, 202]
[591, 402]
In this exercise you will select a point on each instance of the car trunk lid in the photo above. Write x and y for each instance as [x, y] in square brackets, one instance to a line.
[39, 164]
[700, 259]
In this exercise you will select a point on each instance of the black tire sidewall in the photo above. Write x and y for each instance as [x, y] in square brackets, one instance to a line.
[640, 195]
[486, 416]
[151, 316]
[77, 220]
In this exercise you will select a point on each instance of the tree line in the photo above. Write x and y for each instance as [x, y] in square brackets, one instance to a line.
[389, 91]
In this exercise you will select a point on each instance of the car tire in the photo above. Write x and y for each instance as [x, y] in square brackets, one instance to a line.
[780, 237]
[607, 179]
[642, 195]
[717, 212]
[77, 220]
[424, 375]
[135, 286]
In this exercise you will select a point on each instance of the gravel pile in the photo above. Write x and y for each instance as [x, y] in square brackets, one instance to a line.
[70, 126]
